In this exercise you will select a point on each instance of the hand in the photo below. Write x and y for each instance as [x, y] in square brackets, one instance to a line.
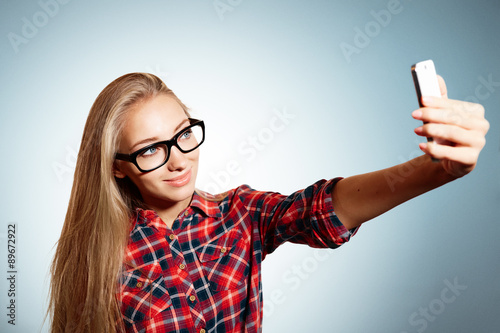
[461, 124]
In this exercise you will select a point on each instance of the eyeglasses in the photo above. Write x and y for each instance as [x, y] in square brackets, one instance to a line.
[156, 155]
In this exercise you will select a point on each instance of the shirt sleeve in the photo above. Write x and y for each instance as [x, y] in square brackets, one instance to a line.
[304, 217]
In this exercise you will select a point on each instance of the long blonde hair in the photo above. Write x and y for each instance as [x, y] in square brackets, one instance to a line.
[89, 254]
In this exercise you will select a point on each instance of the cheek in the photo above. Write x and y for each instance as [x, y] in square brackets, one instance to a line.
[138, 178]
[194, 156]
[194, 162]
[147, 184]
[130, 170]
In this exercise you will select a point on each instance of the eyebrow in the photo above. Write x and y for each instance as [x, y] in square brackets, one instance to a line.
[155, 139]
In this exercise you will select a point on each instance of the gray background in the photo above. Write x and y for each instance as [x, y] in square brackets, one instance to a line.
[237, 70]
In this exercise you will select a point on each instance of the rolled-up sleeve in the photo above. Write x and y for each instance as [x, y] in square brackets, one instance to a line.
[304, 217]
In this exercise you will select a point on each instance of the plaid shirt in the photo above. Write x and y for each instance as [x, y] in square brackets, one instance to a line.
[204, 274]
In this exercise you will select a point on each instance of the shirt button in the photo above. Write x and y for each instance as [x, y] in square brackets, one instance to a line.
[182, 266]
[139, 284]
[186, 213]
[202, 331]
[171, 236]
[223, 250]
[192, 298]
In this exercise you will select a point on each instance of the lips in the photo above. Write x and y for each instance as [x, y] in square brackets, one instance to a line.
[180, 180]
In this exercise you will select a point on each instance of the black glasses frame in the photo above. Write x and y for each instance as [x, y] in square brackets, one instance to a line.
[132, 158]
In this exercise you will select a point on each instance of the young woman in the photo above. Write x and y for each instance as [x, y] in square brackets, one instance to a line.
[142, 250]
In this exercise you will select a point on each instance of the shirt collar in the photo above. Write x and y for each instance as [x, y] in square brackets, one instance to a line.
[207, 203]
[148, 217]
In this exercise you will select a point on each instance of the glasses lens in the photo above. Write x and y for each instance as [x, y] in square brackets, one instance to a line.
[152, 157]
[191, 138]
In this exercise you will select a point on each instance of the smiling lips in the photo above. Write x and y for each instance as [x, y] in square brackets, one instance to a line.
[180, 180]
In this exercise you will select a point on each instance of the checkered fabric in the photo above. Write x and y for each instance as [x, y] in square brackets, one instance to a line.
[204, 274]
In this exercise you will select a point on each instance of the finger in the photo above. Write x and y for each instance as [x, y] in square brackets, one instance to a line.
[441, 103]
[453, 134]
[452, 117]
[442, 87]
[463, 155]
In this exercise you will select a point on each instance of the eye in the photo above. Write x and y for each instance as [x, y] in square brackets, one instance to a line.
[151, 151]
[187, 134]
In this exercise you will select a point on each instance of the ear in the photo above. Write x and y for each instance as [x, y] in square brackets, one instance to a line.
[117, 172]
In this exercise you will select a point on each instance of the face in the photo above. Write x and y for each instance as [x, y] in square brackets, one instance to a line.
[150, 121]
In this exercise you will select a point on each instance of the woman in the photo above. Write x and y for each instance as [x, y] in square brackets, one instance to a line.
[142, 251]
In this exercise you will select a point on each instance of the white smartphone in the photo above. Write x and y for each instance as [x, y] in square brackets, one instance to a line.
[426, 84]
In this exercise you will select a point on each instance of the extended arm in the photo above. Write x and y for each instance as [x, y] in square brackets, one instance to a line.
[360, 198]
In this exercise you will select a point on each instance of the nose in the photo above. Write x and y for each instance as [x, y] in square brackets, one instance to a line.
[177, 160]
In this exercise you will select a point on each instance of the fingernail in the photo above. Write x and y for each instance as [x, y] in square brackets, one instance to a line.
[417, 114]
[418, 130]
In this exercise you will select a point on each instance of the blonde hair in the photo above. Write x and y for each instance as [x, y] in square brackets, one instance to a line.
[90, 251]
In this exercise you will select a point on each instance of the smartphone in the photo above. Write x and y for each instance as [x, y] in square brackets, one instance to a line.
[426, 84]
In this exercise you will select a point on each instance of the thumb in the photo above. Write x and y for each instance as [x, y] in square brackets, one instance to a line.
[442, 87]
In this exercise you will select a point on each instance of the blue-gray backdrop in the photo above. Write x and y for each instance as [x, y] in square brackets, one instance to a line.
[291, 92]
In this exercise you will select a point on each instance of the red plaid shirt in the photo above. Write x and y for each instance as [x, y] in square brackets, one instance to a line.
[204, 275]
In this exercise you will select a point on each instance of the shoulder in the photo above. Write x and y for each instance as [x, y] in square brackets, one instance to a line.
[225, 196]
[240, 198]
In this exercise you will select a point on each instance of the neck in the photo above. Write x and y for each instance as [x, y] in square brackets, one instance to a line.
[169, 213]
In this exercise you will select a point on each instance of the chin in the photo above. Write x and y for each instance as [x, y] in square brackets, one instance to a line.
[181, 193]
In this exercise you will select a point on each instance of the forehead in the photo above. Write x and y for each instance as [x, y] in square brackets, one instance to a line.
[154, 118]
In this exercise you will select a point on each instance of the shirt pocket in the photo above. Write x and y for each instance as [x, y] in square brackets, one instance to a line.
[143, 293]
[224, 261]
